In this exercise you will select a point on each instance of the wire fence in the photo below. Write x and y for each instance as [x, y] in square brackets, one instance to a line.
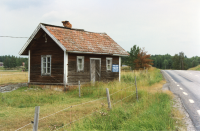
[73, 113]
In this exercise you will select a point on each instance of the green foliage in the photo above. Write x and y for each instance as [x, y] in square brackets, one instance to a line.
[178, 61]
[12, 61]
[158, 61]
[133, 55]
[165, 63]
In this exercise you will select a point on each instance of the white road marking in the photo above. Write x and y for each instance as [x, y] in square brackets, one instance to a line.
[177, 85]
[191, 101]
[185, 93]
[198, 111]
[181, 88]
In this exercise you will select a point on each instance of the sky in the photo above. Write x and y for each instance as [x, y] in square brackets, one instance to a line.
[160, 26]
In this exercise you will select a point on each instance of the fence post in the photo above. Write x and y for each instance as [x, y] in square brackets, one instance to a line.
[136, 88]
[108, 98]
[79, 89]
[36, 118]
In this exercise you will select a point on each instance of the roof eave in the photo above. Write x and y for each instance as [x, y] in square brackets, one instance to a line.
[29, 40]
[119, 55]
[82, 52]
[33, 35]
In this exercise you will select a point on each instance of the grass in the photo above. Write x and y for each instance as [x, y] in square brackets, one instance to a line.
[152, 114]
[195, 68]
[153, 111]
[9, 77]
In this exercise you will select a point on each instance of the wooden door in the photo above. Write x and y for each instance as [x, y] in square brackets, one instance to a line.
[92, 70]
[95, 70]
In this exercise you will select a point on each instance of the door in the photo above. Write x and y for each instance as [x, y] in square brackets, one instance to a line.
[92, 70]
[95, 69]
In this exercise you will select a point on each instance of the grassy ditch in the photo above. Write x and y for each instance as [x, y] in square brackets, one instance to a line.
[195, 68]
[153, 110]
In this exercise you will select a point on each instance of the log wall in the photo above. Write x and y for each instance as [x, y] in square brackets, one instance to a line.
[84, 77]
[38, 48]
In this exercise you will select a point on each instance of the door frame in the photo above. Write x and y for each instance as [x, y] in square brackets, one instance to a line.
[100, 66]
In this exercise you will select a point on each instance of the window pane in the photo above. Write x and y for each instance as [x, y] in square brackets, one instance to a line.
[48, 59]
[108, 62]
[44, 65]
[48, 70]
[44, 70]
[44, 59]
[80, 61]
[48, 65]
[109, 67]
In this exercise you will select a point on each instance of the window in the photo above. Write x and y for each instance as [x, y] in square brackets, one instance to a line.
[109, 64]
[46, 65]
[80, 63]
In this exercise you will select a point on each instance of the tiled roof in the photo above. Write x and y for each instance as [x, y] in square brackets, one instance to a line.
[84, 41]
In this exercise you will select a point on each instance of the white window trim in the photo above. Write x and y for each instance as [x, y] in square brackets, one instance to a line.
[108, 58]
[45, 56]
[80, 57]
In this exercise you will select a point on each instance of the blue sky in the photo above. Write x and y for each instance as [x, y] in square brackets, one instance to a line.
[161, 26]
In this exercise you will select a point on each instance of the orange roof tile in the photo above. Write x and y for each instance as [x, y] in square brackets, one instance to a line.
[84, 41]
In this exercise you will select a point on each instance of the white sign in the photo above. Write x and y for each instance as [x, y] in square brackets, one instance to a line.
[115, 68]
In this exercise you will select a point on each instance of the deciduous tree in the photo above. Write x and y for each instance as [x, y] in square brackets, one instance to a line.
[143, 60]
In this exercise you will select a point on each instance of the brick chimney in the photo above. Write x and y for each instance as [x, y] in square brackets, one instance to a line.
[67, 24]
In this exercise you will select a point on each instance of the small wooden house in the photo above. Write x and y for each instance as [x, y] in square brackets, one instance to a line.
[61, 55]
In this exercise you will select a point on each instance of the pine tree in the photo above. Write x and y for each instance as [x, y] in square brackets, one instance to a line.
[133, 55]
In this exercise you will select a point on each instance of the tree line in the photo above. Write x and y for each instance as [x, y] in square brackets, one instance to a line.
[13, 61]
[138, 59]
[178, 62]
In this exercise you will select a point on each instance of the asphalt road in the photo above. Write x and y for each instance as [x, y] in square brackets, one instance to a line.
[186, 84]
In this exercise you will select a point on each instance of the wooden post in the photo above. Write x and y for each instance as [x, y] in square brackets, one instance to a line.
[79, 88]
[108, 98]
[36, 118]
[136, 88]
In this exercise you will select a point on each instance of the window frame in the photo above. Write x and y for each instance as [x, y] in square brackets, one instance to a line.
[108, 58]
[80, 57]
[46, 68]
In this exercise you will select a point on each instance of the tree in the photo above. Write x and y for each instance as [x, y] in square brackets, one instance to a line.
[133, 55]
[165, 63]
[143, 60]
[176, 63]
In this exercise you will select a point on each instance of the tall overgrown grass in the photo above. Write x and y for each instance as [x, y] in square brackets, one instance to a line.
[11, 77]
[152, 111]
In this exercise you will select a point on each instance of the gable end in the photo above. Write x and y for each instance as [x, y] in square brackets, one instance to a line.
[40, 26]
